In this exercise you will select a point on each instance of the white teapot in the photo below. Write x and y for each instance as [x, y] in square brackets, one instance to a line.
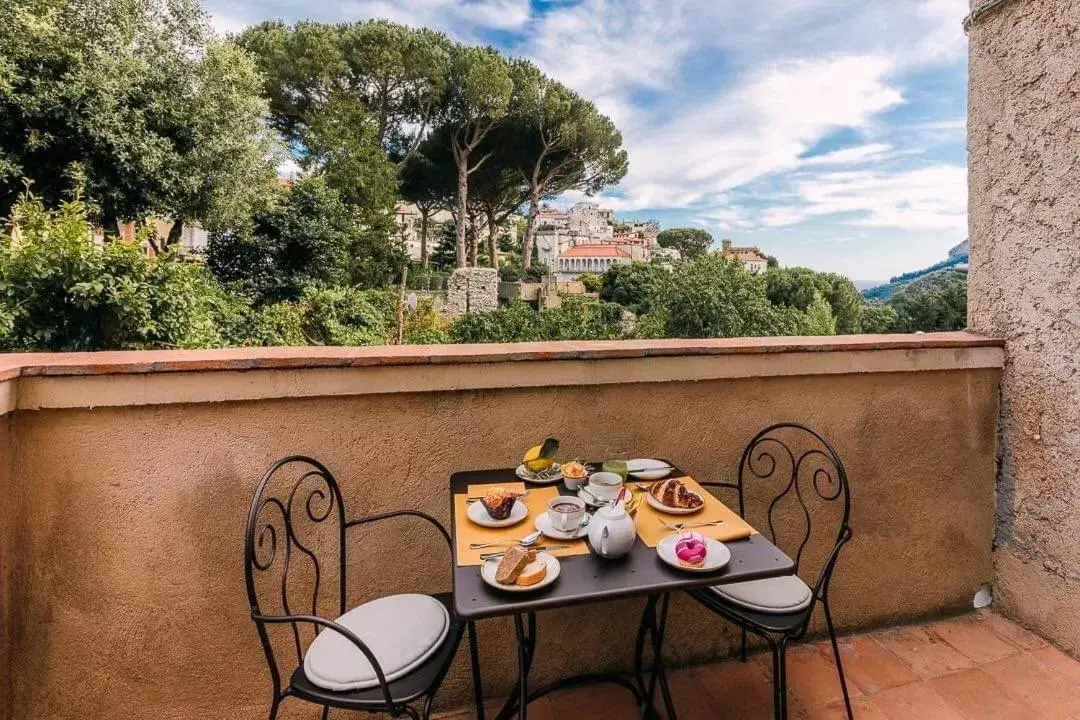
[612, 532]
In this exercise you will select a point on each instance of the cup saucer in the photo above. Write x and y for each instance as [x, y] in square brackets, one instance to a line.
[544, 525]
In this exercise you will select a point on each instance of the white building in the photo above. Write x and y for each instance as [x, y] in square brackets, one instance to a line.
[589, 259]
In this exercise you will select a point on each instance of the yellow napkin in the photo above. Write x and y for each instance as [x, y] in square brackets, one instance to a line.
[467, 532]
[651, 531]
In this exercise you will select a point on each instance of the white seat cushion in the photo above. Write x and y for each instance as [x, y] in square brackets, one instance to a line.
[402, 631]
[779, 595]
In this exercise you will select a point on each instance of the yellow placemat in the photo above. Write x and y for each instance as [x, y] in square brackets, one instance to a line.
[466, 531]
[647, 518]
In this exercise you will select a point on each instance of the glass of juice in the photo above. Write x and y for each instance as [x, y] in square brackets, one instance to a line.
[616, 466]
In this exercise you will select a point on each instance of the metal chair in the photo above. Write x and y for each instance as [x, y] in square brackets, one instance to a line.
[807, 470]
[306, 519]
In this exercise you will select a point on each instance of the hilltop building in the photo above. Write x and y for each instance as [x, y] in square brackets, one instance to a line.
[749, 255]
[587, 238]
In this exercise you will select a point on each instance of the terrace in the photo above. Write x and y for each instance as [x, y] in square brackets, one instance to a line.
[130, 475]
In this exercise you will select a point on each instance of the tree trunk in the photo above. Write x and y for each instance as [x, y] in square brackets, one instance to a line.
[493, 239]
[174, 233]
[423, 237]
[474, 236]
[530, 229]
[462, 202]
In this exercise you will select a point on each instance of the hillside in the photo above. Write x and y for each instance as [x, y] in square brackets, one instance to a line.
[957, 260]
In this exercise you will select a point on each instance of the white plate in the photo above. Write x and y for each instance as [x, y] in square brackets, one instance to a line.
[479, 515]
[716, 554]
[647, 469]
[553, 475]
[487, 572]
[671, 510]
[543, 524]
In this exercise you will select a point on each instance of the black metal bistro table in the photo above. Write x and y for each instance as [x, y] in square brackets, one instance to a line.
[588, 578]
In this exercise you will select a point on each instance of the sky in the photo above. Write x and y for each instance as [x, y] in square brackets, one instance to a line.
[830, 133]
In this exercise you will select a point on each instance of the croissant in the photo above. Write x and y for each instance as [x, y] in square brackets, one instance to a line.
[674, 493]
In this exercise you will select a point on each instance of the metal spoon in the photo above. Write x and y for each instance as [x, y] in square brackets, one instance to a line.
[492, 555]
[526, 541]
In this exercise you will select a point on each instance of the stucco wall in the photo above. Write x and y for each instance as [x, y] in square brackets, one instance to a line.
[131, 600]
[1024, 138]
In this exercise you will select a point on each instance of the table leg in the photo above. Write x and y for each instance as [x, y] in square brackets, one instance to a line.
[518, 701]
[654, 624]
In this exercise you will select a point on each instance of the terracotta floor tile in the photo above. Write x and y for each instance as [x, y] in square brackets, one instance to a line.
[917, 701]
[593, 702]
[870, 667]
[1011, 632]
[976, 695]
[812, 677]
[973, 637]
[740, 691]
[926, 654]
[863, 708]
[1027, 679]
[1058, 661]
[691, 697]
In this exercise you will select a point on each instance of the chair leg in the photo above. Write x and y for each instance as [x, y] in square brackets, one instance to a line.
[836, 654]
[779, 678]
[325, 712]
[474, 658]
[742, 645]
[429, 703]
[274, 708]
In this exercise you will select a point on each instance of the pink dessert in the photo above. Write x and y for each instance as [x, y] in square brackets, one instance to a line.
[690, 549]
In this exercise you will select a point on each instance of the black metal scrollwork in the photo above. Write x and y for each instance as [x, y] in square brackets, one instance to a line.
[794, 456]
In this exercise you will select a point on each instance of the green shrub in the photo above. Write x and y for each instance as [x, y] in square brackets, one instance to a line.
[61, 292]
[591, 281]
[579, 318]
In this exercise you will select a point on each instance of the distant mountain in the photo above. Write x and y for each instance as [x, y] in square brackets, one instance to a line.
[957, 260]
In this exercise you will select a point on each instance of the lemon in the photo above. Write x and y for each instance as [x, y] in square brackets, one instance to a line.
[540, 458]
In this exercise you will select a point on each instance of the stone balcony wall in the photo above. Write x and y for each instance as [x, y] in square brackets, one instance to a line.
[127, 479]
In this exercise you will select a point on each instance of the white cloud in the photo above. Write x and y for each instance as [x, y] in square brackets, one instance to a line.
[760, 128]
[933, 197]
[849, 156]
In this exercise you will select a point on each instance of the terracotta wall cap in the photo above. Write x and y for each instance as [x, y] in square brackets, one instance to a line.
[129, 362]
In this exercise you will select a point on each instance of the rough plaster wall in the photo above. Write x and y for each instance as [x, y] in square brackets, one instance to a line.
[1024, 144]
[132, 596]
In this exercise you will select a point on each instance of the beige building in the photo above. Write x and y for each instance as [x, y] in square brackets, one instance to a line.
[409, 224]
[749, 255]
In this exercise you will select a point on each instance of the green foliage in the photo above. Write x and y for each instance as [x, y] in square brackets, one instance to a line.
[716, 297]
[61, 292]
[798, 287]
[515, 322]
[819, 319]
[877, 317]
[931, 303]
[690, 242]
[395, 73]
[308, 238]
[635, 285]
[592, 282]
[158, 116]
[578, 318]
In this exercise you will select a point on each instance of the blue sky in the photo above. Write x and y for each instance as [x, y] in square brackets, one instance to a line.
[831, 133]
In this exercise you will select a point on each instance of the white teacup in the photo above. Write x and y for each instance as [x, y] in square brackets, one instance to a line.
[566, 512]
[605, 485]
